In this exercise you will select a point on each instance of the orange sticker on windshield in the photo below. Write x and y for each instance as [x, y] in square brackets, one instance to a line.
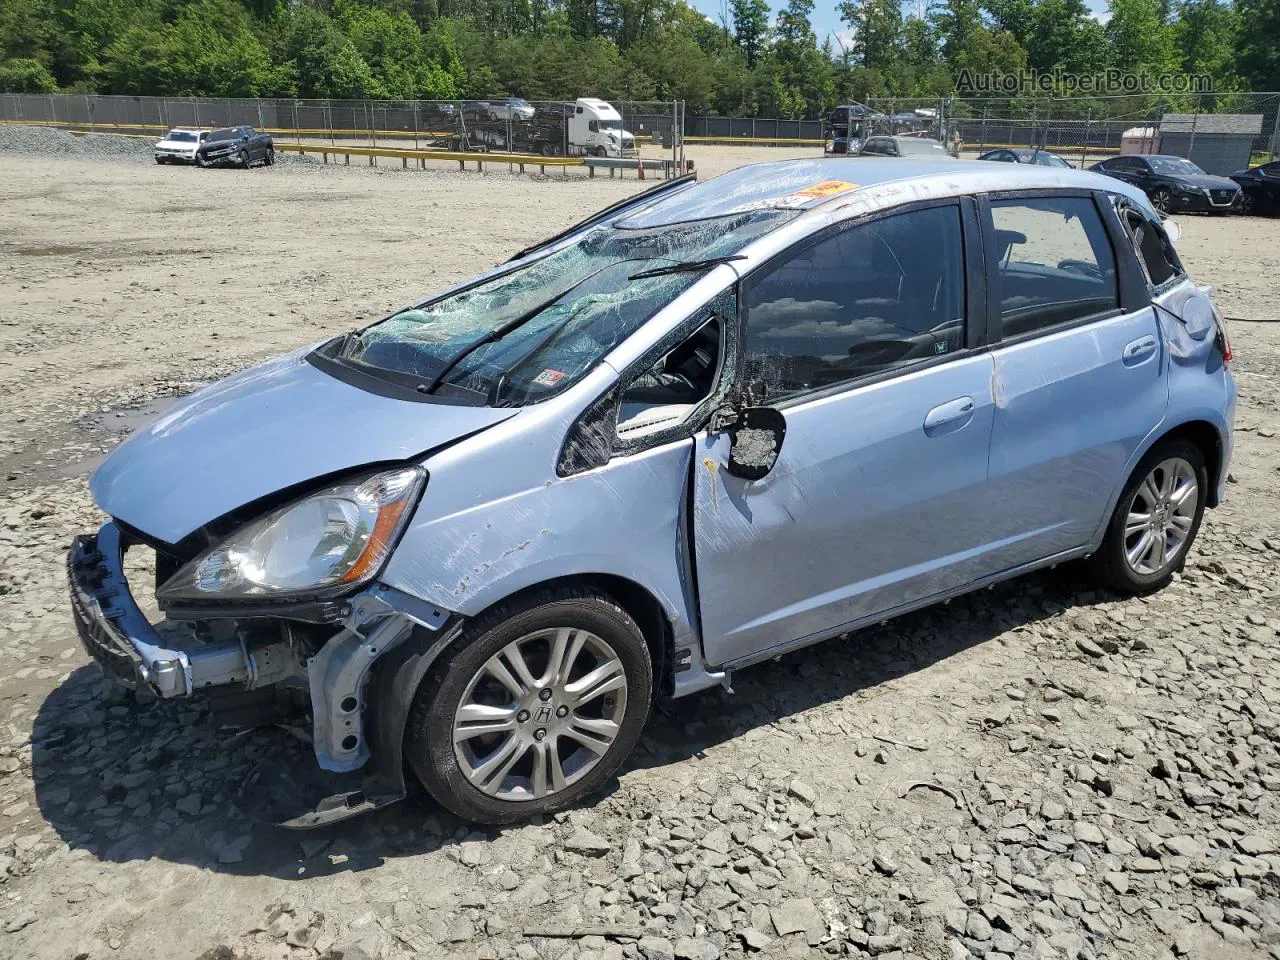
[827, 188]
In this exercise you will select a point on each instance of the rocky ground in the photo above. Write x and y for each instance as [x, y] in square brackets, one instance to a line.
[1041, 771]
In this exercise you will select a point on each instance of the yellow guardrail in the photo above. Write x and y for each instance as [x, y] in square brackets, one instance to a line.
[462, 157]
[796, 141]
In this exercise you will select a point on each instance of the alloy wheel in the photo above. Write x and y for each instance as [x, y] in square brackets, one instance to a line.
[1160, 199]
[540, 714]
[1160, 516]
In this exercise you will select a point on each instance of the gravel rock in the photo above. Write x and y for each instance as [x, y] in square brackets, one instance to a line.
[1109, 799]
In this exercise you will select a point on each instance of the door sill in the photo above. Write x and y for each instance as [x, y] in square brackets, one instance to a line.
[781, 648]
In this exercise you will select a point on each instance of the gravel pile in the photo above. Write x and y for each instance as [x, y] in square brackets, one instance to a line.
[50, 142]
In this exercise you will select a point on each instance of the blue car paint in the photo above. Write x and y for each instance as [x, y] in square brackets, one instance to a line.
[865, 510]
[496, 517]
[275, 425]
[1070, 412]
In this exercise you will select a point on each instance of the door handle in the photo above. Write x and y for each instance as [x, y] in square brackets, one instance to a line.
[954, 413]
[1139, 350]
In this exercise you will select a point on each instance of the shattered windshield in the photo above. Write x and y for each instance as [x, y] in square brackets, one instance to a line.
[525, 335]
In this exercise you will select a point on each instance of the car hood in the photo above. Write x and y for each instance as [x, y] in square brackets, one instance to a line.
[1206, 181]
[218, 143]
[272, 427]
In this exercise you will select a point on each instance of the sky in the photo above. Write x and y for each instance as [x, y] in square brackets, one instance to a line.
[826, 22]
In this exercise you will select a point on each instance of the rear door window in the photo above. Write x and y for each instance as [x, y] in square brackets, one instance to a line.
[1054, 263]
[874, 296]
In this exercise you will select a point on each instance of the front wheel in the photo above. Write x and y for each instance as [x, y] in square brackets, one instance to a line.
[270, 158]
[244, 159]
[202, 160]
[532, 708]
[1161, 199]
[1156, 519]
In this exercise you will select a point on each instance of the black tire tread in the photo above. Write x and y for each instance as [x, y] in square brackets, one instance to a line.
[416, 748]
[1107, 565]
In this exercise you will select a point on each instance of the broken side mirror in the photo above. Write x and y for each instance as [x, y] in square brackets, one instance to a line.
[755, 440]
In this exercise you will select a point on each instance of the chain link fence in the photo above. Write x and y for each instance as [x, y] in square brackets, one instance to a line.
[552, 128]
[1220, 127]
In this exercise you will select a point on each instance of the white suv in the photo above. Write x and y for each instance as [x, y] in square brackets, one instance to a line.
[179, 145]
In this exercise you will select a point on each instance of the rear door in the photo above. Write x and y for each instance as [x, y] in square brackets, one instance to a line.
[1080, 373]
[865, 339]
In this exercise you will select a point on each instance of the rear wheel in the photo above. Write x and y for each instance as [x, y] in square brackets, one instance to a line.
[533, 707]
[1155, 520]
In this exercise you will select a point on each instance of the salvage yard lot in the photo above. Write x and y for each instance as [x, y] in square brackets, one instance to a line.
[1042, 770]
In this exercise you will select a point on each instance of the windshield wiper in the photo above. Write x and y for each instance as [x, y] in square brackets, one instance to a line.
[497, 333]
[687, 266]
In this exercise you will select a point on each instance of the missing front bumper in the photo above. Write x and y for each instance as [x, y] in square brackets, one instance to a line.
[116, 634]
[354, 720]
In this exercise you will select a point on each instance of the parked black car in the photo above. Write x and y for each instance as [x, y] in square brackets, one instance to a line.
[902, 147]
[1261, 186]
[237, 147]
[1042, 158]
[1174, 184]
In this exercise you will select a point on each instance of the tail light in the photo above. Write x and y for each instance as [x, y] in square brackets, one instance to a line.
[1222, 341]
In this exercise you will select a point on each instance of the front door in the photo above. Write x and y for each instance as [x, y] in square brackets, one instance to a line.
[878, 497]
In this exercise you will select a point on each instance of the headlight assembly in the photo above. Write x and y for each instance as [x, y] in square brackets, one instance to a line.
[335, 538]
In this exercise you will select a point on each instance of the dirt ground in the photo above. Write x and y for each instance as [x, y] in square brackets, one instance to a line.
[1042, 771]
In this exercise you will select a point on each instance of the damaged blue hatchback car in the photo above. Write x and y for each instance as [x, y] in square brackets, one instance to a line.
[476, 539]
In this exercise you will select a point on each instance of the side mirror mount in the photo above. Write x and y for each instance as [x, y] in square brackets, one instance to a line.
[755, 440]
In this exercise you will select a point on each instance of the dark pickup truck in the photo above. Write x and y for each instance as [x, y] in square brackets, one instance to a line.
[237, 147]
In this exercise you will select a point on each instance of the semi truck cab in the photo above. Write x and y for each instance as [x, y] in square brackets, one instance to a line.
[595, 128]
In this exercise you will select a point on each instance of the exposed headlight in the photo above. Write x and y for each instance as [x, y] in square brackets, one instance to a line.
[335, 538]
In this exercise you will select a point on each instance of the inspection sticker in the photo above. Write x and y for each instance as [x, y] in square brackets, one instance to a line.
[548, 378]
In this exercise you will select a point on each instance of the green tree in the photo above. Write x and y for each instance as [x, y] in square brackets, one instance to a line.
[1258, 53]
[322, 61]
[1138, 37]
[750, 27]
[877, 27]
[1205, 34]
[26, 75]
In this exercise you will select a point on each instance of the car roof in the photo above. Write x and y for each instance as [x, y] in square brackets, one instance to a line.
[822, 183]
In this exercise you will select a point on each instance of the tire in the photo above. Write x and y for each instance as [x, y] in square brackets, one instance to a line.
[202, 161]
[160, 161]
[1176, 460]
[1249, 204]
[244, 159]
[1160, 198]
[606, 639]
[270, 158]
